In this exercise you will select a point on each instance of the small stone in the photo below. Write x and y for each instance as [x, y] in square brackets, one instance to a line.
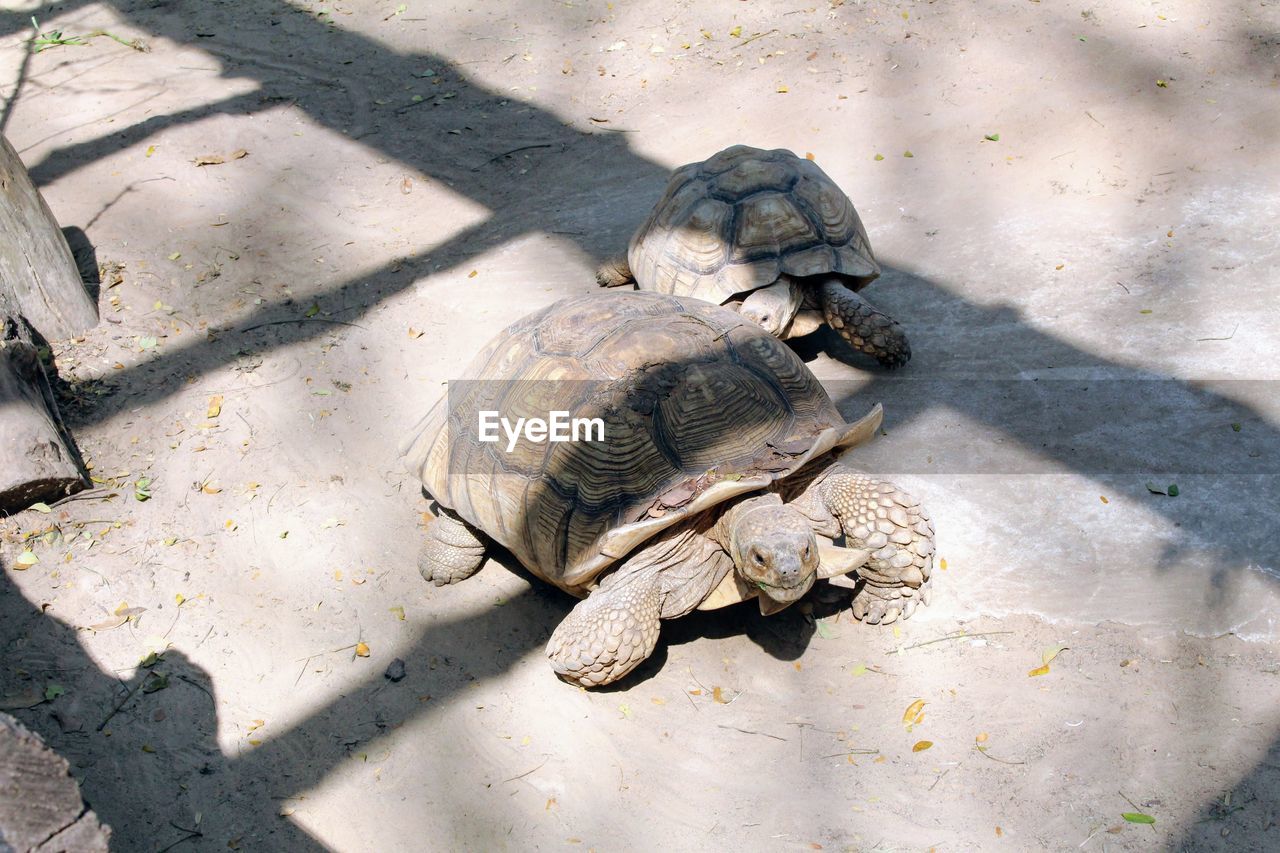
[395, 670]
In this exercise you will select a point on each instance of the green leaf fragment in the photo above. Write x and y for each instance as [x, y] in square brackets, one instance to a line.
[879, 157]
[1173, 490]
[992, 137]
[1138, 817]
[312, 311]
[1234, 428]
[53, 691]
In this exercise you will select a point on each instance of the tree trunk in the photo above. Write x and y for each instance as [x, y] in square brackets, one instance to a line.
[40, 805]
[40, 290]
[37, 270]
[37, 462]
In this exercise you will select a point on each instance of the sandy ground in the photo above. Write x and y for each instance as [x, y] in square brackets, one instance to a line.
[1091, 303]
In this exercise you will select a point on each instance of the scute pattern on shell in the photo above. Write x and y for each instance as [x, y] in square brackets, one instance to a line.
[734, 223]
[683, 386]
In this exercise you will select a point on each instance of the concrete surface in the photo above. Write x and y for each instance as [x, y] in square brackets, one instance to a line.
[1091, 305]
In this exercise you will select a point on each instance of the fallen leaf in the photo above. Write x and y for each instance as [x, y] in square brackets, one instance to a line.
[736, 32]
[717, 694]
[151, 149]
[1162, 84]
[25, 561]
[1040, 670]
[658, 700]
[912, 714]
[1047, 656]
[982, 737]
[238, 154]
[473, 273]
[40, 507]
[942, 563]
[1059, 266]
[1103, 498]
[907, 154]
[860, 669]
[312, 311]
[398, 611]
[362, 650]
[878, 157]
[210, 160]
[808, 155]
[215, 406]
[922, 745]
[782, 90]
[626, 711]
[415, 333]
[992, 137]
[879, 759]
[1138, 817]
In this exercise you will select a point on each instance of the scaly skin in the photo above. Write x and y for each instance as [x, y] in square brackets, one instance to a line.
[615, 272]
[453, 550]
[865, 328]
[894, 527]
[610, 631]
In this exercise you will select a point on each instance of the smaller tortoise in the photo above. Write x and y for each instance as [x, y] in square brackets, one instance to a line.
[715, 482]
[769, 233]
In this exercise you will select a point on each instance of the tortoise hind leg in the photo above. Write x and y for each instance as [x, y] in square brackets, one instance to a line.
[611, 631]
[453, 552]
[615, 272]
[864, 327]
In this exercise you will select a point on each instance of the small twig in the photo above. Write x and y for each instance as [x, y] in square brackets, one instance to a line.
[1126, 290]
[302, 320]
[1136, 807]
[498, 157]
[853, 752]
[939, 779]
[750, 39]
[191, 833]
[960, 636]
[527, 772]
[1227, 338]
[201, 688]
[1090, 115]
[125, 701]
[750, 732]
[86, 495]
[983, 750]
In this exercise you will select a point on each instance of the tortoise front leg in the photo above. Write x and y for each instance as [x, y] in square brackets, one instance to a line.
[453, 551]
[890, 525]
[615, 272]
[610, 631]
[865, 328]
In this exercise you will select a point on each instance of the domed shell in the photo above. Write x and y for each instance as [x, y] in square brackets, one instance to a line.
[697, 406]
[735, 222]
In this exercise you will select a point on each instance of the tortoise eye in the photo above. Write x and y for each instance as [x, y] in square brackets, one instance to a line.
[757, 558]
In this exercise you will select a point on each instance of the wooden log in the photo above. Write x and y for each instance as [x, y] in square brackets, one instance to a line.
[37, 462]
[37, 270]
[41, 808]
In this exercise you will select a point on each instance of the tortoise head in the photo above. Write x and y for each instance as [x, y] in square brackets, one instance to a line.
[773, 548]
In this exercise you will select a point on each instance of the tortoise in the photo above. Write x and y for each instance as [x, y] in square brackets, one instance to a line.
[770, 234]
[716, 480]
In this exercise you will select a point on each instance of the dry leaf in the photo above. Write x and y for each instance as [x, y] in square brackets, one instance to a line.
[922, 745]
[1103, 498]
[398, 611]
[415, 333]
[1047, 656]
[879, 759]
[982, 737]
[1040, 670]
[718, 695]
[912, 714]
[215, 406]
[210, 160]
[238, 154]
[362, 650]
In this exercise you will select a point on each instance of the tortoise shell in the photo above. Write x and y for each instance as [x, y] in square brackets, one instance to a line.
[735, 222]
[697, 406]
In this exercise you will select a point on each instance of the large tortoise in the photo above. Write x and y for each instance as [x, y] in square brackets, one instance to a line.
[716, 481]
[769, 233]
